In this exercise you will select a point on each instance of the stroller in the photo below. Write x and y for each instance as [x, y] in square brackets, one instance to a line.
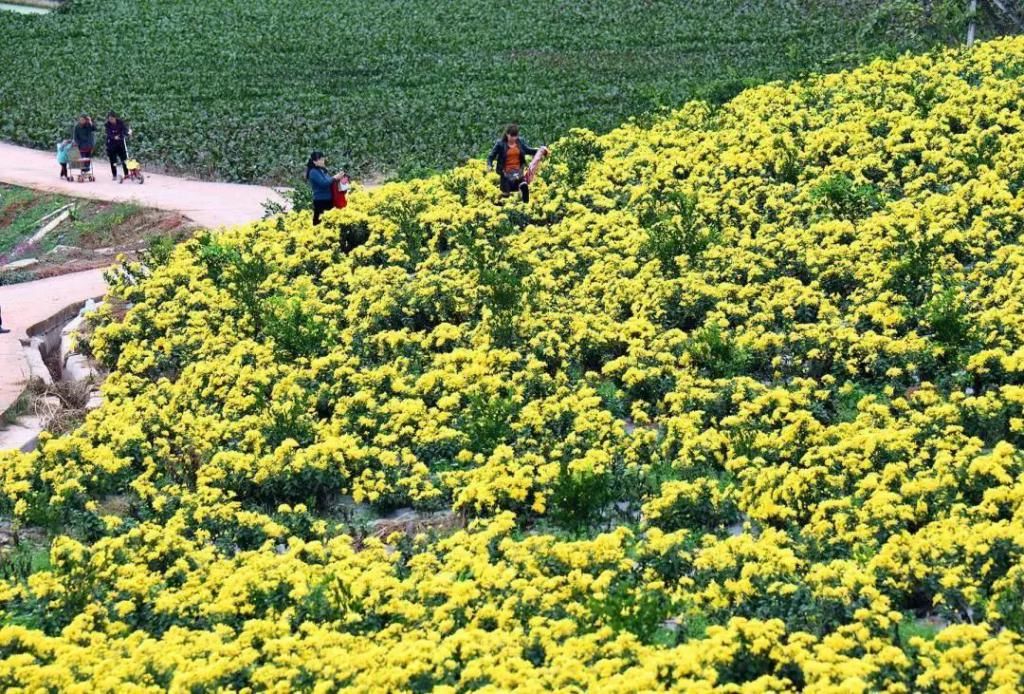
[133, 166]
[83, 163]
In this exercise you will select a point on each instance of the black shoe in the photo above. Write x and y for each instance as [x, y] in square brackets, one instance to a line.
[4, 330]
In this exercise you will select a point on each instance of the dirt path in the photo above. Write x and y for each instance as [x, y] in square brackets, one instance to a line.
[23, 305]
[208, 204]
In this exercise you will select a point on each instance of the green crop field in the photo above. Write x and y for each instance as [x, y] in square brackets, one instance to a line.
[243, 89]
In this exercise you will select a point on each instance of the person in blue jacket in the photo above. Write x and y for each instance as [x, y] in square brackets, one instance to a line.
[321, 182]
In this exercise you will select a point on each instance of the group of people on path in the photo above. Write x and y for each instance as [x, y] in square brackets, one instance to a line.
[507, 157]
[84, 137]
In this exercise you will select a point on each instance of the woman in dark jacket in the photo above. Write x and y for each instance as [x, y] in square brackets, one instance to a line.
[509, 153]
[321, 182]
[85, 139]
[117, 133]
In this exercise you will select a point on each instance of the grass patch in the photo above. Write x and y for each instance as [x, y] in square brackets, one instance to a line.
[20, 407]
[912, 627]
[94, 226]
[22, 560]
[20, 213]
[108, 227]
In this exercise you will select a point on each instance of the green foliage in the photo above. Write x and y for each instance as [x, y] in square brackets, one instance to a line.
[946, 315]
[296, 331]
[914, 264]
[703, 504]
[717, 353]
[628, 605]
[912, 627]
[842, 407]
[613, 399]
[1009, 600]
[298, 197]
[158, 251]
[487, 421]
[240, 273]
[98, 224]
[21, 560]
[720, 90]
[576, 151]
[412, 235]
[579, 499]
[844, 198]
[675, 228]
[501, 278]
[938, 21]
[19, 407]
[20, 212]
[249, 87]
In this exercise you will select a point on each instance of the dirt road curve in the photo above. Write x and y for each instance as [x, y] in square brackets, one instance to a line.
[208, 204]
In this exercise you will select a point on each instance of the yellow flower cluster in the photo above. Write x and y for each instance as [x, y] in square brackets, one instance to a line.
[735, 403]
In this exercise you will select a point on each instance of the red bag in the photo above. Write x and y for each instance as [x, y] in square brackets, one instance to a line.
[339, 192]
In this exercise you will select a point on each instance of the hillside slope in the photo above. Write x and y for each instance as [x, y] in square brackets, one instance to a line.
[243, 90]
[735, 402]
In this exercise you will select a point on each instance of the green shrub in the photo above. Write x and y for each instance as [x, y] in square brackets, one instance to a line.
[158, 251]
[298, 198]
[843, 198]
[613, 399]
[503, 290]
[21, 560]
[241, 274]
[412, 234]
[703, 504]
[721, 90]
[487, 421]
[629, 605]
[717, 353]
[674, 228]
[573, 157]
[947, 317]
[579, 500]
[914, 265]
[296, 331]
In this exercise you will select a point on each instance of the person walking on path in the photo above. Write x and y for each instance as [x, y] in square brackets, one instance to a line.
[117, 131]
[85, 139]
[322, 184]
[509, 153]
[63, 149]
[2, 328]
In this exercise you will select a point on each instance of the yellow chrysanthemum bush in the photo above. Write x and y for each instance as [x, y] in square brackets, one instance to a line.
[735, 403]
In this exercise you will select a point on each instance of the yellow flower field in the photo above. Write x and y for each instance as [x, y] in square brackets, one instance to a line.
[734, 404]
